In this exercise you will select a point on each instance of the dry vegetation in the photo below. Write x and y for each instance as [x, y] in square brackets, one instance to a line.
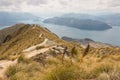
[92, 67]
[80, 64]
[24, 37]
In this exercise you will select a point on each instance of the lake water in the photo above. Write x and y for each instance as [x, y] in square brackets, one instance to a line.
[111, 36]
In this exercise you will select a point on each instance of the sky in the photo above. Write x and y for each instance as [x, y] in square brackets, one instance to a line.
[60, 6]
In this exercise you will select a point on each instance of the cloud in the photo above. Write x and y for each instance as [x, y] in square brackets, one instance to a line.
[36, 2]
[109, 5]
[10, 3]
[60, 5]
[114, 3]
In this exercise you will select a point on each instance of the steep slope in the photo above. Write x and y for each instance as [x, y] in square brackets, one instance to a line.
[21, 36]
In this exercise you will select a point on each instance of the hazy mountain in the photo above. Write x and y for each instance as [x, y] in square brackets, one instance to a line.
[9, 18]
[85, 24]
[80, 16]
[110, 18]
[86, 41]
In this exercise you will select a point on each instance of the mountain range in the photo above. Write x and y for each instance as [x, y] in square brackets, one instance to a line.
[84, 42]
[10, 18]
[112, 19]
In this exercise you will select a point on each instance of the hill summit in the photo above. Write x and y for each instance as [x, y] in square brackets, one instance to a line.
[13, 40]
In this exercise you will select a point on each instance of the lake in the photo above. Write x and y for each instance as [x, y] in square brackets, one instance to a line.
[111, 36]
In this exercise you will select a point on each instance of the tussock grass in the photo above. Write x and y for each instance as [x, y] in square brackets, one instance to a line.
[90, 68]
[12, 70]
[24, 71]
[96, 64]
[23, 59]
[63, 73]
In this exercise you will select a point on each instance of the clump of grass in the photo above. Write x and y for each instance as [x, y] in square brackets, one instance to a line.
[114, 75]
[75, 51]
[19, 76]
[104, 68]
[65, 72]
[52, 61]
[24, 71]
[12, 70]
[22, 59]
[100, 69]
[53, 53]
[40, 47]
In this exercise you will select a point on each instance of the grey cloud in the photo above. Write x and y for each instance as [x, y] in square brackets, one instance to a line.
[114, 3]
[63, 2]
[5, 3]
[10, 2]
[59, 5]
[10, 5]
[19, 2]
[15, 5]
[37, 2]
[110, 3]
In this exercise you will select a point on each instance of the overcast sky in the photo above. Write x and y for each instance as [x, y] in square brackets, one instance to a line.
[46, 6]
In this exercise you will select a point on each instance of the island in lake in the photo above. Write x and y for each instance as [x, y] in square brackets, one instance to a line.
[84, 24]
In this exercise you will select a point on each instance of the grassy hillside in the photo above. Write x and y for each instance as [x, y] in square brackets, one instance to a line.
[32, 52]
[91, 67]
[22, 36]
